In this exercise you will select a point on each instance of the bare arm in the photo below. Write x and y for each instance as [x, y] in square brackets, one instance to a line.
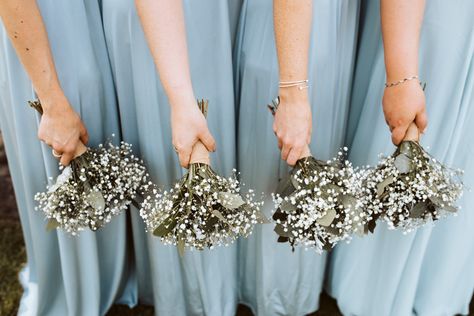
[404, 103]
[60, 128]
[293, 123]
[164, 27]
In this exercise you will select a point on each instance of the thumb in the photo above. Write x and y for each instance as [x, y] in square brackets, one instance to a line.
[84, 135]
[208, 141]
[421, 121]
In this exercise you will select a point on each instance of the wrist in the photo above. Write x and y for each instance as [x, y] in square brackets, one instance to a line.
[181, 97]
[54, 101]
[293, 95]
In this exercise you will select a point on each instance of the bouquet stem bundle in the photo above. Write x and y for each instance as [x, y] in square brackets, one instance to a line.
[203, 209]
[98, 184]
[318, 205]
[411, 188]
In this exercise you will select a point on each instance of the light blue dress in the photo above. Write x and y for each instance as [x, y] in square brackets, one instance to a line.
[429, 272]
[200, 283]
[273, 280]
[64, 275]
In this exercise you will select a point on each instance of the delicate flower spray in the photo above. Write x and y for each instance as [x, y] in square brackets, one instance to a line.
[203, 209]
[411, 188]
[318, 204]
[98, 184]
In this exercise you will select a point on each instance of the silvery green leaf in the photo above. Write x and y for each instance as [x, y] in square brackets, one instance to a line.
[165, 227]
[348, 201]
[418, 209]
[436, 201]
[230, 201]
[382, 185]
[294, 182]
[287, 207]
[285, 186]
[218, 214]
[52, 224]
[449, 208]
[181, 247]
[61, 179]
[210, 224]
[403, 164]
[327, 219]
[406, 148]
[96, 200]
[281, 232]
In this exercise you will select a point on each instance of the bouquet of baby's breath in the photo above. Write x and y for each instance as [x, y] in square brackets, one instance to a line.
[97, 185]
[411, 188]
[318, 204]
[203, 209]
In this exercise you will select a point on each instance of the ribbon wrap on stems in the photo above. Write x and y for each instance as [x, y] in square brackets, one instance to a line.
[203, 209]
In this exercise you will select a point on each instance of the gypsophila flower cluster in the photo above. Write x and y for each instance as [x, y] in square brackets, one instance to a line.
[202, 210]
[319, 206]
[96, 186]
[411, 188]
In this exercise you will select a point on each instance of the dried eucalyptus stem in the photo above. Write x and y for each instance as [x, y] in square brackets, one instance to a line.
[411, 188]
[97, 185]
[318, 204]
[203, 209]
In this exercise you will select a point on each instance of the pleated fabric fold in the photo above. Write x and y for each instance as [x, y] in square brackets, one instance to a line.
[273, 280]
[64, 275]
[427, 272]
[200, 283]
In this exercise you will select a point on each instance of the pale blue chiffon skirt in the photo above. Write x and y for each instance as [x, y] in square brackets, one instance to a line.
[431, 271]
[64, 275]
[273, 280]
[200, 283]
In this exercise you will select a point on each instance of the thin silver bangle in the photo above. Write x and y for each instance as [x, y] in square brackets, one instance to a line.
[396, 83]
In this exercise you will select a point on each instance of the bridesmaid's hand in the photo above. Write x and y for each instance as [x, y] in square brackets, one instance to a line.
[61, 128]
[402, 105]
[293, 124]
[188, 126]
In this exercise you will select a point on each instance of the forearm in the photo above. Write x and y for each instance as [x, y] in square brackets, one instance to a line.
[24, 25]
[401, 24]
[292, 23]
[164, 27]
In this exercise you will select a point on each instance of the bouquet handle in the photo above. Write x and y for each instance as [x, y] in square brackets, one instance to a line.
[412, 133]
[200, 154]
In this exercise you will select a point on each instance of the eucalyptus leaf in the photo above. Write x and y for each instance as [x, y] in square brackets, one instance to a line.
[287, 207]
[96, 200]
[418, 210]
[52, 224]
[166, 227]
[327, 219]
[406, 148]
[449, 208]
[281, 232]
[403, 164]
[230, 201]
[218, 214]
[181, 247]
[210, 224]
[294, 182]
[283, 239]
[285, 186]
[382, 185]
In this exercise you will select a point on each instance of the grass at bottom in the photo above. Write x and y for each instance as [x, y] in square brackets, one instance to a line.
[12, 258]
